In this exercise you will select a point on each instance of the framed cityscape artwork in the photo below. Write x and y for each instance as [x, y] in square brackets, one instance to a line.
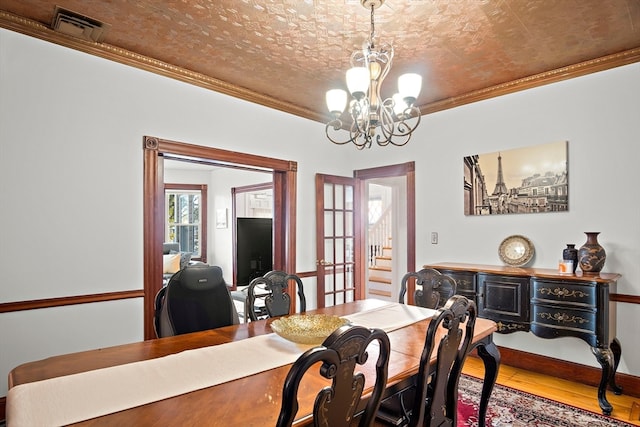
[523, 180]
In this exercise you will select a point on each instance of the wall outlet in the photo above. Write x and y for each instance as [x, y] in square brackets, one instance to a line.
[434, 238]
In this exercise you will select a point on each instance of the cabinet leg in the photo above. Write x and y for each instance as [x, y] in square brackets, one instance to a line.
[606, 359]
[617, 354]
[490, 356]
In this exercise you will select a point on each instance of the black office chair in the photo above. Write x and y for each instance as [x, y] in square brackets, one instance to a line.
[195, 299]
[433, 400]
[271, 290]
[432, 290]
[336, 405]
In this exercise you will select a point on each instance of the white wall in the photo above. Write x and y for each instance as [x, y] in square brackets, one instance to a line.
[71, 129]
[71, 132]
[598, 114]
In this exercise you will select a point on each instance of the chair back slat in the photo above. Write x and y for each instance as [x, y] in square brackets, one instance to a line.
[273, 289]
[436, 394]
[432, 289]
[340, 353]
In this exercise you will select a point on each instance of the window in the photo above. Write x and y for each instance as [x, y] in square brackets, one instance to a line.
[186, 218]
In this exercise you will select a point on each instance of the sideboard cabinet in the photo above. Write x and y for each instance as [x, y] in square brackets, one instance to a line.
[549, 305]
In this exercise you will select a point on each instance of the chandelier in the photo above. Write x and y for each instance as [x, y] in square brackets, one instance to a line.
[388, 121]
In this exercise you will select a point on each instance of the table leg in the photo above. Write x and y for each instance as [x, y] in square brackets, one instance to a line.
[490, 355]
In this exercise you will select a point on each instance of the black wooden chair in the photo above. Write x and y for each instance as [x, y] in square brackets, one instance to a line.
[432, 290]
[268, 296]
[337, 404]
[432, 401]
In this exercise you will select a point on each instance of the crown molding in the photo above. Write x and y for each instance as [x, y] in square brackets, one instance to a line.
[123, 56]
[37, 30]
[564, 73]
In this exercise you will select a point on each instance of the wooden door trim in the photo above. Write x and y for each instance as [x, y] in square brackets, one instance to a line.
[386, 171]
[408, 170]
[155, 150]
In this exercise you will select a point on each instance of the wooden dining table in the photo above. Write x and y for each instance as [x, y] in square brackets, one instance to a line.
[253, 400]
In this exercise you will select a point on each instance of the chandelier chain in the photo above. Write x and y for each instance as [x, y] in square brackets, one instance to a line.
[373, 29]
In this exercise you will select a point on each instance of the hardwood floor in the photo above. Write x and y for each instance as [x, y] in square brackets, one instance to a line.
[571, 393]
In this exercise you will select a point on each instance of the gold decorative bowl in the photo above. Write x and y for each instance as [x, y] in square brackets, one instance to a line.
[307, 328]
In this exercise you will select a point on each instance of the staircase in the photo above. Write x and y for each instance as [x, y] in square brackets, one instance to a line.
[380, 279]
[380, 258]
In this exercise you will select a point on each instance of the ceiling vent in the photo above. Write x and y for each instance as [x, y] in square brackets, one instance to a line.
[76, 25]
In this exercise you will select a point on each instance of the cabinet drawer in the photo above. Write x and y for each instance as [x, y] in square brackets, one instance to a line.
[552, 321]
[565, 293]
[465, 282]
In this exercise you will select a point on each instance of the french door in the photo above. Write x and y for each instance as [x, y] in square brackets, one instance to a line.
[341, 226]
[339, 240]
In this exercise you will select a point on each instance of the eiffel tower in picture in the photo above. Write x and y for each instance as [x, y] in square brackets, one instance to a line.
[501, 187]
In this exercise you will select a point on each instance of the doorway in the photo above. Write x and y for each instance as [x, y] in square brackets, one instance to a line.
[156, 150]
[386, 236]
[390, 237]
[341, 228]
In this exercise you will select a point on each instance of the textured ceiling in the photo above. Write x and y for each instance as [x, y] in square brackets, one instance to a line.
[293, 51]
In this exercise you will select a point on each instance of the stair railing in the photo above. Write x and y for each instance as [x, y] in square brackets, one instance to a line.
[379, 236]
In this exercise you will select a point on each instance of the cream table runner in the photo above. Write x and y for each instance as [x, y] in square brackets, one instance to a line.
[78, 397]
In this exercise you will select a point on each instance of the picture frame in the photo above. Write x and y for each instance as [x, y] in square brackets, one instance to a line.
[531, 179]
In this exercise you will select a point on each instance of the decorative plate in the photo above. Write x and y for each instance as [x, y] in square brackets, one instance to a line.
[516, 250]
[307, 328]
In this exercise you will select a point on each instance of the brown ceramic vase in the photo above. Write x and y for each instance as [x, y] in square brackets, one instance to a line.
[591, 256]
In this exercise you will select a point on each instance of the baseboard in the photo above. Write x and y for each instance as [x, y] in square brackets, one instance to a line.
[571, 371]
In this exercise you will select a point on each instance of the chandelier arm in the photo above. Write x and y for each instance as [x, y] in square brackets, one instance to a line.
[401, 143]
[359, 139]
[382, 142]
[404, 128]
[336, 125]
[356, 136]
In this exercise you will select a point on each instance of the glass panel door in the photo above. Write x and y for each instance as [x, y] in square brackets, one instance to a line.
[336, 240]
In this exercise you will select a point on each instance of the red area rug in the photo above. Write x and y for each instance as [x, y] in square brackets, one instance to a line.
[513, 408]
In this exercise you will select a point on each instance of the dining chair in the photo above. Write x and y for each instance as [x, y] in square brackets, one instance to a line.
[337, 403]
[432, 290]
[272, 291]
[432, 401]
[195, 299]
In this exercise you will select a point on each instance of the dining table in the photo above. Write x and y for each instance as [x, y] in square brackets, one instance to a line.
[228, 376]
